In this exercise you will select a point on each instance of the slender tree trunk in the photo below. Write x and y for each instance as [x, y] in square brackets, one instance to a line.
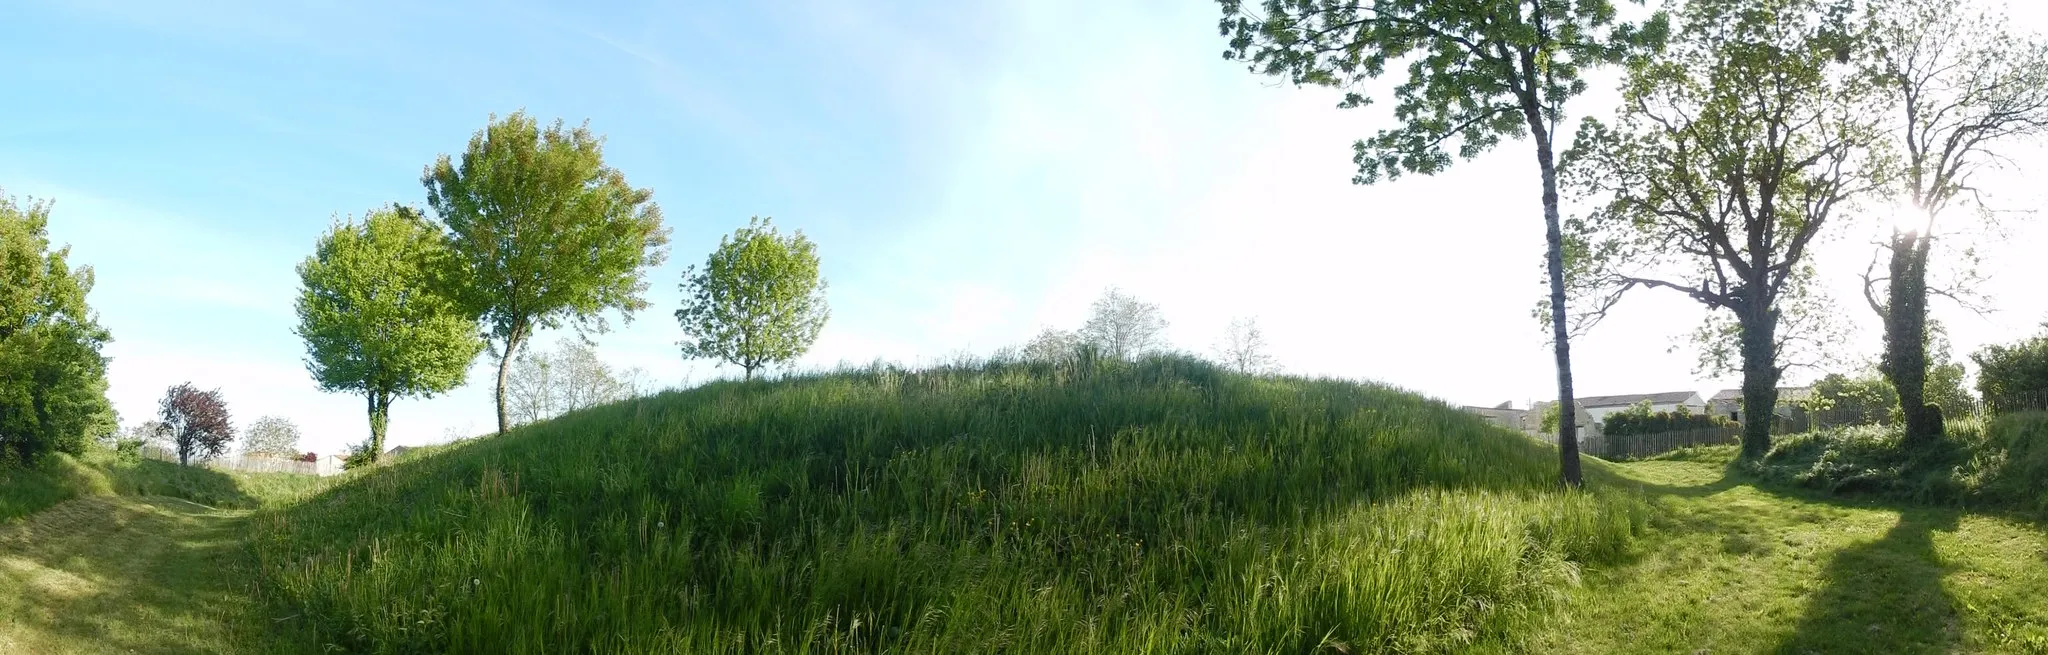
[1553, 233]
[184, 453]
[505, 371]
[1905, 337]
[380, 416]
[1759, 325]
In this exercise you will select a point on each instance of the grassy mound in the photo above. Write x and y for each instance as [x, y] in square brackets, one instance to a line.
[1164, 506]
[59, 477]
[2002, 462]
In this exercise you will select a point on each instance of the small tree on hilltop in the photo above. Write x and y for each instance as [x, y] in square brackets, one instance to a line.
[1243, 348]
[1051, 345]
[1123, 327]
[758, 299]
[542, 233]
[373, 319]
[197, 422]
[272, 436]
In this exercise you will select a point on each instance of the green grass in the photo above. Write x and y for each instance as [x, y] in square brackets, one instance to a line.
[1997, 464]
[119, 574]
[1730, 565]
[1161, 507]
[25, 490]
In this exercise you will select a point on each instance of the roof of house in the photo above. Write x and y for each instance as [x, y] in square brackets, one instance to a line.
[1784, 394]
[1665, 398]
[396, 451]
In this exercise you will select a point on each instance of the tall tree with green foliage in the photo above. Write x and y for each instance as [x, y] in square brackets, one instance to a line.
[1728, 157]
[53, 380]
[758, 300]
[374, 319]
[1961, 84]
[543, 233]
[1478, 72]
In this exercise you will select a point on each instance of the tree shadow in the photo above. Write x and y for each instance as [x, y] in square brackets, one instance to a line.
[1884, 595]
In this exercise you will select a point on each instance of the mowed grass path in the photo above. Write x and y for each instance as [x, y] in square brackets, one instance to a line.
[123, 574]
[1728, 567]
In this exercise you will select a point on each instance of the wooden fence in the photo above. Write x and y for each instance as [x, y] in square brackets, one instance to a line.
[246, 463]
[1637, 446]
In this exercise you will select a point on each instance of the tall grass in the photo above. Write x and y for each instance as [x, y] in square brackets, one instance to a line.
[1165, 506]
[1998, 462]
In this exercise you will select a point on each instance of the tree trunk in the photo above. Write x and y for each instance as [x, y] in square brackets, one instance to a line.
[1759, 323]
[1905, 337]
[380, 416]
[505, 371]
[184, 452]
[1567, 405]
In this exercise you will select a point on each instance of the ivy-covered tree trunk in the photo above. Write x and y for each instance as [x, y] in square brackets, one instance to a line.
[1759, 323]
[1905, 337]
[380, 416]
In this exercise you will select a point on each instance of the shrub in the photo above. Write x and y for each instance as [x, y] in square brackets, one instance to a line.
[1638, 419]
[2014, 378]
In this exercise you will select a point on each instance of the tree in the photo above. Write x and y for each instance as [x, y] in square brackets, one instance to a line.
[1478, 72]
[572, 377]
[1960, 84]
[272, 436]
[374, 320]
[1728, 157]
[2014, 377]
[1243, 348]
[542, 233]
[1123, 327]
[758, 299]
[197, 421]
[53, 380]
[1051, 345]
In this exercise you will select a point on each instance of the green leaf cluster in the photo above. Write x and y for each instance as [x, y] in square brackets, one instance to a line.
[374, 317]
[52, 377]
[758, 299]
[1477, 72]
[542, 233]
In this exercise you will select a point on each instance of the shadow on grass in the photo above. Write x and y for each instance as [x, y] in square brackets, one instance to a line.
[156, 575]
[148, 477]
[1884, 595]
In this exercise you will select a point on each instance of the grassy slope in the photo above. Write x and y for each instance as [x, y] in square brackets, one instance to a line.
[1163, 507]
[106, 574]
[1731, 567]
[60, 477]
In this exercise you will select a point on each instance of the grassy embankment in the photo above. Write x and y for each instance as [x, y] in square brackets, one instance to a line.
[100, 472]
[1161, 507]
[102, 554]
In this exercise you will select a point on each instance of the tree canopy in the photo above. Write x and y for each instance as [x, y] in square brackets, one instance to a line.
[1729, 155]
[758, 299]
[52, 377]
[373, 318]
[197, 422]
[542, 233]
[1123, 327]
[272, 436]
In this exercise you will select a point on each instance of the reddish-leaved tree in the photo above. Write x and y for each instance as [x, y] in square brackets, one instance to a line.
[197, 422]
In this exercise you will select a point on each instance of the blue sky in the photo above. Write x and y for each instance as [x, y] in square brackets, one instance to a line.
[971, 172]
